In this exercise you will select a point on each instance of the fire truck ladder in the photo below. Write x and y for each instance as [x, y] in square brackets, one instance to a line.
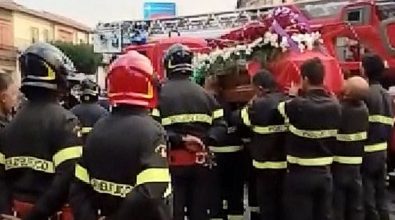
[194, 23]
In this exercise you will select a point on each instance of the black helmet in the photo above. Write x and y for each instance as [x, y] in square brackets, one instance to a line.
[89, 90]
[178, 59]
[44, 65]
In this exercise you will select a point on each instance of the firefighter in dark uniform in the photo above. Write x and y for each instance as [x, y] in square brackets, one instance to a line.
[88, 112]
[380, 124]
[349, 151]
[123, 173]
[228, 181]
[193, 121]
[313, 119]
[267, 143]
[39, 147]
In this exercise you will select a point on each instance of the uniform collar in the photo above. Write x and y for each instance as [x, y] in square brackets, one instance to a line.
[316, 91]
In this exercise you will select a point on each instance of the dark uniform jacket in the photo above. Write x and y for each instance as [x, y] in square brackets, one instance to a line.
[38, 151]
[123, 173]
[267, 131]
[380, 125]
[186, 108]
[3, 121]
[313, 122]
[232, 142]
[88, 114]
[352, 133]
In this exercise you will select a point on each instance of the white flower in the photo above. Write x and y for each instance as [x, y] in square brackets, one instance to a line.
[301, 47]
[284, 44]
[267, 37]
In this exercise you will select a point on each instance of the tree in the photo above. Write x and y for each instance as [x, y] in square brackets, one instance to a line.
[82, 55]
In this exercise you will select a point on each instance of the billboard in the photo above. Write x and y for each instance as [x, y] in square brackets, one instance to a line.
[154, 10]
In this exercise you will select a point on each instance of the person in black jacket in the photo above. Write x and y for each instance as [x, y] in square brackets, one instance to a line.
[39, 147]
[123, 173]
[313, 120]
[89, 111]
[381, 121]
[349, 151]
[228, 178]
[193, 120]
[268, 129]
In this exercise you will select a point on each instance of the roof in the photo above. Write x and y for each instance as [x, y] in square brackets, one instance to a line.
[11, 5]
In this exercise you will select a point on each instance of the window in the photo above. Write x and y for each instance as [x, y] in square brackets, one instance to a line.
[355, 16]
[34, 35]
[46, 35]
[386, 10]
[321, 9]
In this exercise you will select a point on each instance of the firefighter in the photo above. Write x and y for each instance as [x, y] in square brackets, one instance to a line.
[39, 147]
[380, 124]
[313, 119]
[9, 95]
[89, 111]
[267, 143]
[193, 120]
[123, 173]
[352, 133]
[228, 190]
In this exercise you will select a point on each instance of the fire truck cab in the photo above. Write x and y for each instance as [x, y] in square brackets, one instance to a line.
[156, 50]
[350, 29]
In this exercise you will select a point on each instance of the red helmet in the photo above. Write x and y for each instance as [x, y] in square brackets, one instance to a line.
[131, 81]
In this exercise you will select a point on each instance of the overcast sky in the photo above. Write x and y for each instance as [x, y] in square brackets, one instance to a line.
[90, 12]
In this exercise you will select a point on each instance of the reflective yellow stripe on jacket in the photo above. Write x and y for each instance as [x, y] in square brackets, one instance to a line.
[187, 118]
[67, 154]
[219, 113]
[352, 137]
[381, 119]
[270, 129]
[348, 160]
[155, 112]
[226, 149]
[86, 130]
[320, 161]
[269, 164]
[312, 134]
[2, 158]
[151, 175]
[33, 163]
[375, 147]
[245, 117]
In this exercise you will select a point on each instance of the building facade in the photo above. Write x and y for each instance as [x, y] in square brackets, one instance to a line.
[21, 26]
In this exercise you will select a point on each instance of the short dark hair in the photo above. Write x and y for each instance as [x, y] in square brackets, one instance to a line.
[5, 81]
[374, 66]
[314, 71]
[265, 79]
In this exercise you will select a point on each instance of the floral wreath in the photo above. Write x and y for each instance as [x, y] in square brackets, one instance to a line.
[281, 30]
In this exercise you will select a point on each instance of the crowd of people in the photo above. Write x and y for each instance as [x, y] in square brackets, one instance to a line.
[176, 150]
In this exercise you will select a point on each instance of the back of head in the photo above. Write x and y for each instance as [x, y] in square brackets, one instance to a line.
[131, 81]
[46, 67]
[89, 91]
[265, 81]
[178, 61]
[314, 71]
[373, 67]
[355, 88]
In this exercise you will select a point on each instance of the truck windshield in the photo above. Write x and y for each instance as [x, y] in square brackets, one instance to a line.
[322, 10]
[386, 10]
